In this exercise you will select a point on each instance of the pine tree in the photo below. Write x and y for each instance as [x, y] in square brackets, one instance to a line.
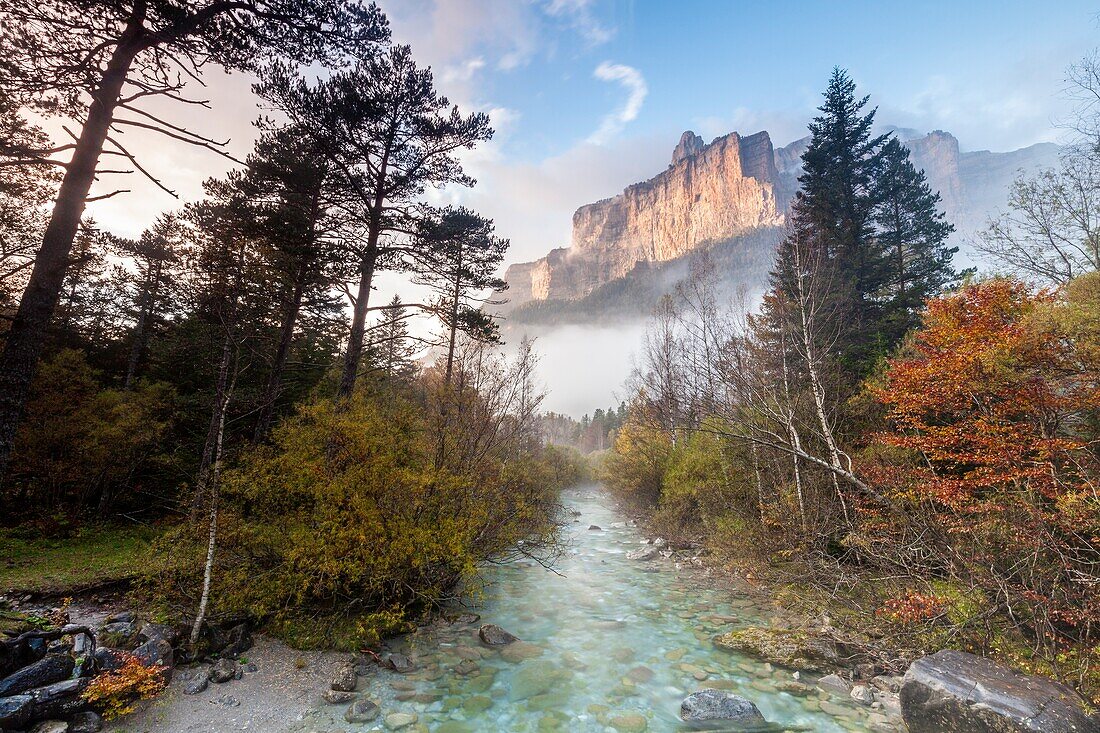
[392, 348]
[912, 233]
[833, 222]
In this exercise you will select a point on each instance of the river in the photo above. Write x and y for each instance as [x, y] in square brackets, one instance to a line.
[608, 644]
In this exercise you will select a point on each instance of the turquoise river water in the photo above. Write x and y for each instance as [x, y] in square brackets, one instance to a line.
[608, 644]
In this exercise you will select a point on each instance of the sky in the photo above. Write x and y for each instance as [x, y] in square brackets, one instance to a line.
[588, 96]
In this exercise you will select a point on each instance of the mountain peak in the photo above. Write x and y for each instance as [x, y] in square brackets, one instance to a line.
[690, 144]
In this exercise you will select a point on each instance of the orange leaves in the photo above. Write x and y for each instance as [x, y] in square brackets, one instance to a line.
[913, 607]
[985, 394]
[116, 693]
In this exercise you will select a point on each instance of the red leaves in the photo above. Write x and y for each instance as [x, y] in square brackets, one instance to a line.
[984, 396]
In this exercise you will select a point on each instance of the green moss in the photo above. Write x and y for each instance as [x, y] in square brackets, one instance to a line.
[962, 604]
[94, 556]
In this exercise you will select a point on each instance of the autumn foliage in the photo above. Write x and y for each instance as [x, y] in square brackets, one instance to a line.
[996, 399]
[117, 692]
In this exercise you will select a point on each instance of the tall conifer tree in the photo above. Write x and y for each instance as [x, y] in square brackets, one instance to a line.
[913, 233]
[833, 220]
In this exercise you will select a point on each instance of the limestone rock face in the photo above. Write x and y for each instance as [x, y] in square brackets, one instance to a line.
[710, 193]
[737, 186]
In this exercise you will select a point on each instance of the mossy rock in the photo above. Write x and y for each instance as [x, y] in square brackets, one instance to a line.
[13, 623]
[793, 648]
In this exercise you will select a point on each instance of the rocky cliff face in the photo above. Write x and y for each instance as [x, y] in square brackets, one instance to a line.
[737, 186]
[708, 194]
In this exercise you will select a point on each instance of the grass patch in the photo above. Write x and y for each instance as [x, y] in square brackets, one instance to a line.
[94, 556]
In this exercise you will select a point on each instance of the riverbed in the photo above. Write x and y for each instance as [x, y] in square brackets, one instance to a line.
[608, 644]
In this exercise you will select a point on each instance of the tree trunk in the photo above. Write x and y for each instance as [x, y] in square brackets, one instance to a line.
[212, 535]
[444, 405]
[23, 344]
[282, 352]
[141, 327]
[214, 433]
[817, 387]
[354, 350]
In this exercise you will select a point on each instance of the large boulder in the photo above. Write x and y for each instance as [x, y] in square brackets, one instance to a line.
[964, 693]
[719, 705]
[157, 653]
[240, 641]
[49, 669]
[645, 554]
[119, 634]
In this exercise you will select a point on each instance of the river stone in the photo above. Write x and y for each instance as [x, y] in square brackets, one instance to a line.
[466, 667]
[493, 635]
[240, 641]
[86, 722]
[629, 723]
[644, 554]
[398, 663]
[396, 721]
[719, 705]
[157, 653]
[48, 669]
[534, 678]
[518, 651]
[834, 684]
[344, 679]
[223, 671]
[337, 697]
[964, 693]
[197, 684]
[15, 710]
[118, 634]
[109, 660]
[862, 694]
[361, 711]
[793, 648]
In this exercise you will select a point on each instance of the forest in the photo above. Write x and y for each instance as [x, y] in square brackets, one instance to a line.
[227, 378]
[909, 447]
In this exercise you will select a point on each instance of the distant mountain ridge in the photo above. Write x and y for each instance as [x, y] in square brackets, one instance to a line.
[733, 196]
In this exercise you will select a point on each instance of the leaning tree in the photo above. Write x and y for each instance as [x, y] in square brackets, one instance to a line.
[109, 66]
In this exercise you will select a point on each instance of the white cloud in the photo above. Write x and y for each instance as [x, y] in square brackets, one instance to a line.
[579, 15]
[464, 71]
[634, 83]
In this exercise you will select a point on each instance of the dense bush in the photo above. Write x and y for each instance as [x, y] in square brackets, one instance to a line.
[349, 516]
[87, 448]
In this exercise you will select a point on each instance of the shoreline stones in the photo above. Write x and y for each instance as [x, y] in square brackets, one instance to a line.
[711, 704]
[965, 693]
[644, 555]
[361, 711]
[345, 679]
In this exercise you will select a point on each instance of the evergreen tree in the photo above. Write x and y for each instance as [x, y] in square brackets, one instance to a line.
[387, 131]
[833, 222]
[459, 258]
[912, 233]
[392, 348]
